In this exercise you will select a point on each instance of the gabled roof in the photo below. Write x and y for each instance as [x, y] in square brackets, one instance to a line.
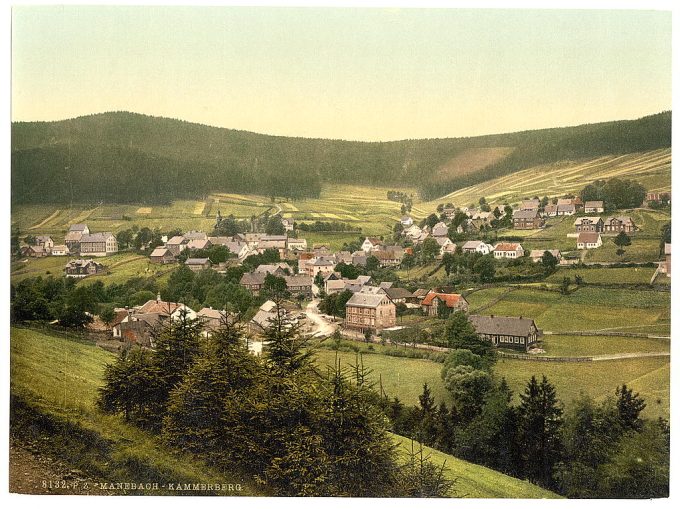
[451, 299]
[538, 253]
[298, 280]
[78, 228]
[594, 204]
[587, 237]
[622, 219]
[198, 243]
[587, 219]
[158, 306]
[177, 239]
[505, 325]
[95, 237]
[272, 267]
[374, 240]
[566, 207]
[214, 314]
[159, 251]
[472, 244]
[525, 214]
[197, 261]
[253, 278]
[398, 293]
[366, 300]
[507, 246]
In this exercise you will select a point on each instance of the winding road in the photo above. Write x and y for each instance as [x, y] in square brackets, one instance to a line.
[321, 326]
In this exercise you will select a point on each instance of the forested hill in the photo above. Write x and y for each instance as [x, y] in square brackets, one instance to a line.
[127, 157]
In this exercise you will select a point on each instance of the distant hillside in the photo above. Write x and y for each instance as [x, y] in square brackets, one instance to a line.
[132, 158]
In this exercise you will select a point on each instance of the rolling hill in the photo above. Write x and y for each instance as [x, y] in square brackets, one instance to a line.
[125, 157]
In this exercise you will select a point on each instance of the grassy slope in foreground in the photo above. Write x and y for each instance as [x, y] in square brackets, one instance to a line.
[60, 377]
[475, 481]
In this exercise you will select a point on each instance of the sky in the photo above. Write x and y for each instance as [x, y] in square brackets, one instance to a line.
[360, 74]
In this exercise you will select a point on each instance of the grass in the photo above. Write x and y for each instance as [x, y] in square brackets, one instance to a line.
[648, 376]
[578, 346]
[651, 169]
[626, 275]
[485, 296]
[472, 480]
[588, 308]
[401, 377]
[121, 267]
[60, 377]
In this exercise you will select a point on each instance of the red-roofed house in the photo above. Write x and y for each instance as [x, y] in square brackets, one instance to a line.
[434, 300]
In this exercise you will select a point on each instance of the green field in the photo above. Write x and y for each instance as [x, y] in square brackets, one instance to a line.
[406, 384]
[60, 377]
[404, 377]
[583, 346]
[121, 267]
[652, 169]
[626, 275]
[588, 308]
[648, 376]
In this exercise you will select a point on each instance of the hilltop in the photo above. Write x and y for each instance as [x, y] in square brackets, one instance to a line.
[122, 157]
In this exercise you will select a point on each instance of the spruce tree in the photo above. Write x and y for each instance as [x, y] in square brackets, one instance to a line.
[540, 419]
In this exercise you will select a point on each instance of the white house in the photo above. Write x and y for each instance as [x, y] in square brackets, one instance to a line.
[406, 221]
[477, 246]
[588, 240]
[445, 245]
[508, 250]
[371, 244]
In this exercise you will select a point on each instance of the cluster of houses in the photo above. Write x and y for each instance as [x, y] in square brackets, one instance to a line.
[372, 308]
[78, 241]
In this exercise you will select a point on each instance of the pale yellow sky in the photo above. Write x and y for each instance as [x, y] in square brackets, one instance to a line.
[368, 74]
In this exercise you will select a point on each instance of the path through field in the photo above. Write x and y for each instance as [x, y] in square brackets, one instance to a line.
[45, 221]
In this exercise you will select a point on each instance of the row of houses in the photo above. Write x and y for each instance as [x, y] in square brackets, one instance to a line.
[610, 225]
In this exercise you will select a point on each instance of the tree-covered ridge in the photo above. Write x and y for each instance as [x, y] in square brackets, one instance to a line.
[128, 157]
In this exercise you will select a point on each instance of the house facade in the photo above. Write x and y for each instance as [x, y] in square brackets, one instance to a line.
[589, 224]
[527, 220]
[513, 332]
[198, 264]
[594, 207]
[373, 312]
[83, 268]
[477, 246]
[434, 301]
[588, 240]
[161, 255]
[98, 244]
[508, 250]
[619, 224]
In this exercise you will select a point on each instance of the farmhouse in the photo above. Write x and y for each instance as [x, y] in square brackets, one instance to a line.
[265, 317]
[195, 235]
[567, 209]
[198, 264]
[45, 241]
[176, 244]
[594, 207]
[530, 205]
[83, 268]
[297, 244]
[98, 244]
[288, 224]
[440, 230]
[371, 244]
[389, 258]
[527, 219]
[406, 221]
[657, 197]
[73, 236]
[33, 251]
[276, 242]
[508, 250]
[550, 210]
[537, 254]
[198, 244]
[477, 246]
[433, 301]
[278, 269]
[619, 224]
[506, 331]
[588, 240]
[60, 250]
[299, 285]
[589, 224]
[370, 312]
[161, 255]
[445, 246]
[212, 319]
[400, 295]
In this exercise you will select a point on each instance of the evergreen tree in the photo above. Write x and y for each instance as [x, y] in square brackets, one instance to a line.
[540, 419]
[460, 334]
[629, 406]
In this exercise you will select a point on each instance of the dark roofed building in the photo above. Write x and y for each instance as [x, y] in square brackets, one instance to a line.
[513, 332]
[198, 264]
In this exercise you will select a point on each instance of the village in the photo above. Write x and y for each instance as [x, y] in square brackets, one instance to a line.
[317, 278]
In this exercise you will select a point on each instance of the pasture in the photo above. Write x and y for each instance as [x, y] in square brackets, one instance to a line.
[652, 169]
[624, 275]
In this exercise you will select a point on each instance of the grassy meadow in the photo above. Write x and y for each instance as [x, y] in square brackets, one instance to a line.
[60, 377]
